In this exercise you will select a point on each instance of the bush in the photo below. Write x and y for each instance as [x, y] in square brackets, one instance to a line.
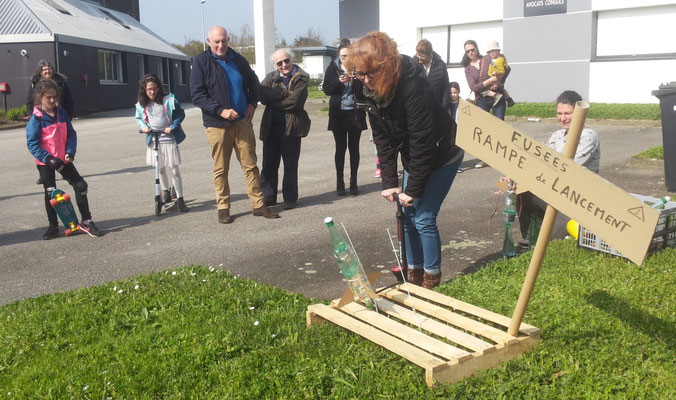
[16, 113]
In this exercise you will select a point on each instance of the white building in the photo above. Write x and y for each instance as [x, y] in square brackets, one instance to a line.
[609, 51]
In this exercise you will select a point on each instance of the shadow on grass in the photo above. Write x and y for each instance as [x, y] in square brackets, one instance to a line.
[652, 326]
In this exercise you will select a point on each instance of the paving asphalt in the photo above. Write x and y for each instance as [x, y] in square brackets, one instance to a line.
[292, 252]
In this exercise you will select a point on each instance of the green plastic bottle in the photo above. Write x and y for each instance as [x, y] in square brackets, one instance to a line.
[349, 266]
[508, 249]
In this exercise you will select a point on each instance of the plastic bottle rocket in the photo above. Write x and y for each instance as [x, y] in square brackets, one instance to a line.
[660, 204]
[508, 249]
[349, 266]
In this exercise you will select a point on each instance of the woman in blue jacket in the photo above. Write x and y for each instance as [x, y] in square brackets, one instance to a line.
[155, 111]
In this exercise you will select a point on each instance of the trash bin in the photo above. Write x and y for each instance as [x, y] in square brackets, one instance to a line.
[667, 96]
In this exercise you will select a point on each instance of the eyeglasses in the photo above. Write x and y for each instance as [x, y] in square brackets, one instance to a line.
[362, 75]
[470, 50]
[284, 61]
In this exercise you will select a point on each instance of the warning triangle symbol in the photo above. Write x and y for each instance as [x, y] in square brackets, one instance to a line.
[637, 212]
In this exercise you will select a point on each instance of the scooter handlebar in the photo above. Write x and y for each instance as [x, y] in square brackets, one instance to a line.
[151, 131]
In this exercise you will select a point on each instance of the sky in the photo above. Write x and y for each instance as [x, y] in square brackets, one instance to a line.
[179, 21]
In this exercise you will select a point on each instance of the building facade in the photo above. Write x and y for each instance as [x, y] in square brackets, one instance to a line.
[610, 51]
[103, 52]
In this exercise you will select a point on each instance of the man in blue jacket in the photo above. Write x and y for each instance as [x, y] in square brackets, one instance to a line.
[224, 87]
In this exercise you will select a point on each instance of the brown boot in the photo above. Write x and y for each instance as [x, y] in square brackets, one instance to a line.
[415, 276]
[431, 281]
[265, 212]
[224, 216]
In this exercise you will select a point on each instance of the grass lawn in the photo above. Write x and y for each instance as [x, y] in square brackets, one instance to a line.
[656, 153]
[596, 111]
[608, 331]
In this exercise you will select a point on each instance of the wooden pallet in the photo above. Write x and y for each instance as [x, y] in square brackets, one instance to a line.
[457, 338]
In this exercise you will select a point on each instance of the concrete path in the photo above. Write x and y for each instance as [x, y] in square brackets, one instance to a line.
[292, 252]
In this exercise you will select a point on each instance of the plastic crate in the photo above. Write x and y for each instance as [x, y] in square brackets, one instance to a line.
[664, 236]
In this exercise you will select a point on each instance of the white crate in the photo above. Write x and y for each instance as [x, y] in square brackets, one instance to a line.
[664, 236]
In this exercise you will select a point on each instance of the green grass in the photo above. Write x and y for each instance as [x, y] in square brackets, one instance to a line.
[656, 152]
[608, 331]
[596, 111]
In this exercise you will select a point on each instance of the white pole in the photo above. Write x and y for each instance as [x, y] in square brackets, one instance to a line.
[204, 40]
[264, 31]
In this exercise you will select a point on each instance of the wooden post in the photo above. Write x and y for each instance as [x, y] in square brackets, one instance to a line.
[572, 139]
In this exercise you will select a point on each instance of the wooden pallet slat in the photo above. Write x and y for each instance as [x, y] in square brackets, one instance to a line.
[399, 347]
[408, 334]
[394, 327]
[455, 319]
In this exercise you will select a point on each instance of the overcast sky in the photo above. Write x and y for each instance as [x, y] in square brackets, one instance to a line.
[178, 21]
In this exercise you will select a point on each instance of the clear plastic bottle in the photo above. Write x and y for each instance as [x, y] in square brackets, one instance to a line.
[508, 249]
[349, 266]
[660, 204]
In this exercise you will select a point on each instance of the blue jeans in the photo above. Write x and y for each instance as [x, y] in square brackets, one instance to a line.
[486, 103]
[423, 243]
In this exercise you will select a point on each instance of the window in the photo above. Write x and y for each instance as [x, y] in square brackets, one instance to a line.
[184, 73]
[114, 18]
[631, 33]
[110, 67]
[438, 36]
[480, 32]
[57, 7]
[160, 69]
[141, 61]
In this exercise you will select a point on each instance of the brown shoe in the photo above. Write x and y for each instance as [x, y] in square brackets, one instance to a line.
[224, 216]
[431, 281]
[415, 276]
[265, 212]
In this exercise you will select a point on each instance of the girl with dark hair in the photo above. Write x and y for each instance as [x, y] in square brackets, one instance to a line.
[407, 120]
[155, 111]
[45, 70]
[345, 121]
[52, 140]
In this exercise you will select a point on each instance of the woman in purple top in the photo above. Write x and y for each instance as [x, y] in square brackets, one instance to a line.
[476, 72]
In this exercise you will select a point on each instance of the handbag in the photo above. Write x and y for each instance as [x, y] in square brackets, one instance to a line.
[471, 99]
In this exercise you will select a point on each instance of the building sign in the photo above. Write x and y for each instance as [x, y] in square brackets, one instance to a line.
[623, 221]
[533, 8]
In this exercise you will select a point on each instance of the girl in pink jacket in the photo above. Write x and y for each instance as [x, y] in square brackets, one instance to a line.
[52, 140]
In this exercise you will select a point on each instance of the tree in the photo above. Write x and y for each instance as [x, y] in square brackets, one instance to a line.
[190, 48]
[244, 43]
[311, 38]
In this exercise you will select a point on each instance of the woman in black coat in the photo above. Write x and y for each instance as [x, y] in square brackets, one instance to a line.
[345, 121]
[408, 120]
[45, 70]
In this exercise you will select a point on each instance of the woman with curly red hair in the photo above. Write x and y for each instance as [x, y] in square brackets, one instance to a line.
[407, 120]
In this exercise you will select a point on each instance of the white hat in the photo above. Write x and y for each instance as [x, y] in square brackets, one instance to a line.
[493, 45]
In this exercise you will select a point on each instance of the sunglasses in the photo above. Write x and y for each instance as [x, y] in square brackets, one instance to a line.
[469, 51]
[284, 61]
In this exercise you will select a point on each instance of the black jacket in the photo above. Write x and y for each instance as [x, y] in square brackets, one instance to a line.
[333, 87]
[65, 102]
[438, 77]
[209, 87]
[413, 124]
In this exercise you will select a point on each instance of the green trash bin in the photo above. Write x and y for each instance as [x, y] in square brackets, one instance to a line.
[667, 96]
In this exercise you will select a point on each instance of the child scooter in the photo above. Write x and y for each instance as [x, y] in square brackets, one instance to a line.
[158, 190]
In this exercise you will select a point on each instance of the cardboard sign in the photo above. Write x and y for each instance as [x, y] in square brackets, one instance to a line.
[623, 221]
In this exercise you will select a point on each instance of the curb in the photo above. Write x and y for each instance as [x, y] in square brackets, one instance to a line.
[15, 126]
